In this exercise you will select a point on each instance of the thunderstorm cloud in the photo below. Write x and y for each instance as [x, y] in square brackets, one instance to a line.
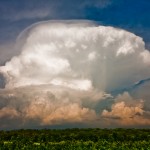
[76, 72]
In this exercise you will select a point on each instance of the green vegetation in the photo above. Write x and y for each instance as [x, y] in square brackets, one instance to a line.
[76, 139]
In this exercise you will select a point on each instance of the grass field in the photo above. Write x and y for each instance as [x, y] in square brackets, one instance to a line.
[76, 139]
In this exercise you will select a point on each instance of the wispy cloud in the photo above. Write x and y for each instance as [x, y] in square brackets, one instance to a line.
[34, 14]
[51, 9]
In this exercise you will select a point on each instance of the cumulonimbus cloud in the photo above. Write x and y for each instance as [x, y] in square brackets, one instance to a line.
[87, 60]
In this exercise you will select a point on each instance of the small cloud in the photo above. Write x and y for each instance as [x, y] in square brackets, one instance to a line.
[34, 14]
[128, 111]
[92, 56]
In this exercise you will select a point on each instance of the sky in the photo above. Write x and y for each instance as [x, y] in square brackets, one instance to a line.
[76, 63]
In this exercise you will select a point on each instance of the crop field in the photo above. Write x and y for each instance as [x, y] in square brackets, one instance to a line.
[76, 139]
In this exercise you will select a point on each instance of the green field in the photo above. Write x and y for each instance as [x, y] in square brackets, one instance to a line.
[76, 139]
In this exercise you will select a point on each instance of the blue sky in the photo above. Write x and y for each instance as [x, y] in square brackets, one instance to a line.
[131, 15]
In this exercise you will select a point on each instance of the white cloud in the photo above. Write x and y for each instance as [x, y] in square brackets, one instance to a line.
[146, 55]
[65, 70]
[53, 50]
[92, 56]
